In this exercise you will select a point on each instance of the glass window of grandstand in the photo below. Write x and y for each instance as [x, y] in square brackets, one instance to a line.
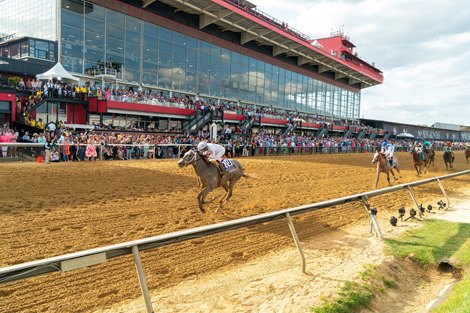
[96, 40]
[41, 49]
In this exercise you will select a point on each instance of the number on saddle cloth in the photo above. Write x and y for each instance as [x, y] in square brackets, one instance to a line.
[227, 165]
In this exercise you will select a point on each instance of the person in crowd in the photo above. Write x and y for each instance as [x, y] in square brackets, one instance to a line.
[13, 137]
[90, 152]
[55, 155]
[26, 136]
[4, 139]
[35, 137]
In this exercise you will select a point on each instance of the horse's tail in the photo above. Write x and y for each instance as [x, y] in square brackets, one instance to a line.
[252, 176]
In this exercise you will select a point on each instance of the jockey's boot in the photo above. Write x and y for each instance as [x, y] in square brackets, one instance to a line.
[390, 160]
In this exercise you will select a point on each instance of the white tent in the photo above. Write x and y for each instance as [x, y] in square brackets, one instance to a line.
[57, 71]
[405, 135]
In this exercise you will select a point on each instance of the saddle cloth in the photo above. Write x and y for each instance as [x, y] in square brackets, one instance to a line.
[227, 165]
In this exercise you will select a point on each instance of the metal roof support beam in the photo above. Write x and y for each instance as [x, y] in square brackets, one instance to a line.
[322, 69]
[339, 75]
[205, 20]
[302, 61]
[353, 81]
[278, 50]
[146, 3]
[246, 37]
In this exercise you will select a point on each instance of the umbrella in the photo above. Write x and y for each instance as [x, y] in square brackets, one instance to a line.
[405, 135]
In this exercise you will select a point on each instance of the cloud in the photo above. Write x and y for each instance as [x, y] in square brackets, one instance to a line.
[423, 52]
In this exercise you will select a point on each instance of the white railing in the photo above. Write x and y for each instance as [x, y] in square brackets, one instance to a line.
[96, 256]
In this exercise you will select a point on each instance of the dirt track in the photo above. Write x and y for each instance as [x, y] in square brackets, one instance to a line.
[53, 209]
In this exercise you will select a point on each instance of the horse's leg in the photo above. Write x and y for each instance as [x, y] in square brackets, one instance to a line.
[388, 178]
[377, 180]
[201, 195]
[393, 173]
[222, 199]
[398, 171]
[231, 183]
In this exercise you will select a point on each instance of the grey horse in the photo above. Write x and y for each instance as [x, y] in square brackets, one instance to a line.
[209, 177]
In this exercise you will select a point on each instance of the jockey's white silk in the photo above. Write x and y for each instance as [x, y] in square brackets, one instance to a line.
[215, 151]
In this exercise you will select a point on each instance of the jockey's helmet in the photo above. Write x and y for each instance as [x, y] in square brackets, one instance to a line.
[384, 143]
[202, 145]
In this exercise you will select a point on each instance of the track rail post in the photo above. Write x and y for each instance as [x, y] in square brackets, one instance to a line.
[444, 192]
[297, 243]
[142, 280]
[414, 200]
[374, 224]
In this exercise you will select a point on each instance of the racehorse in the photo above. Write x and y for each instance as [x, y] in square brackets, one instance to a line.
[383, 166]
[418, 161]
[209, 177]
[432, 154]
[467, 154]
[449, 158]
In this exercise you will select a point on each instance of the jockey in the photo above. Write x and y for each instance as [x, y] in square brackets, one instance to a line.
[212, 152]
[427, 146]
[418, 147]
[388, 149]
[448, 147]
[467, 146]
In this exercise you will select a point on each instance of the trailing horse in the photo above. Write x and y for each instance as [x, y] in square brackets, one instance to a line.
[383, 166]
[420, 160]
[432, 154]
[449, 158]
[209, 177]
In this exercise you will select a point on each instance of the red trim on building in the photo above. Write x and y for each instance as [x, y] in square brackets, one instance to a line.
[139, 107]
[102, 106]
[266, 120]
[310, 125]
[196, 33]
[10, 97]
[93, 104]
[234, 117]
[76, 113]
[340, 128]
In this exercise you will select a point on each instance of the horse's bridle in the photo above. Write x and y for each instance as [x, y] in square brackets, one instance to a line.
[193, 158]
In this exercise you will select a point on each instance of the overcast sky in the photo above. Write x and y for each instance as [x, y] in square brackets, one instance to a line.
[422, 47]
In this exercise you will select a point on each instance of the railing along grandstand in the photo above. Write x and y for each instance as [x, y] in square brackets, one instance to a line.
[30, 151]
[97, 256]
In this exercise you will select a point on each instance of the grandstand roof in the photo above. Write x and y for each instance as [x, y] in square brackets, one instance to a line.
[254, 25]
